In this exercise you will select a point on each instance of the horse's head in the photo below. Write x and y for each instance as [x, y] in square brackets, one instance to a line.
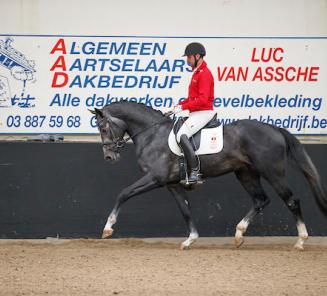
[112, 131]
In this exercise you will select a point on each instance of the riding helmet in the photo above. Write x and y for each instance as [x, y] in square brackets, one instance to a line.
[195, 48]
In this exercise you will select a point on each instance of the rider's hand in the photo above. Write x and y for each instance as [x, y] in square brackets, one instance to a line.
[177, 109]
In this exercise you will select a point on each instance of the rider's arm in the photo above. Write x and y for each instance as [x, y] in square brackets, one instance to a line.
[204, 86]
[184, 104]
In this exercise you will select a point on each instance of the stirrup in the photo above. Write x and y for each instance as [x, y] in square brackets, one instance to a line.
[188, 182]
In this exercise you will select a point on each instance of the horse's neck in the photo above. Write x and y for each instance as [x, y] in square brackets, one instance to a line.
[139, 123]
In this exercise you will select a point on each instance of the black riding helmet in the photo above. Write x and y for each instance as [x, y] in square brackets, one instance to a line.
[195, 48]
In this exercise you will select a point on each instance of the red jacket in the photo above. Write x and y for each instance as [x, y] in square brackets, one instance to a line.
[200, 91]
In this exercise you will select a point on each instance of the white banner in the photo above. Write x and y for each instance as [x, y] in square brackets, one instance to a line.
[47, 83]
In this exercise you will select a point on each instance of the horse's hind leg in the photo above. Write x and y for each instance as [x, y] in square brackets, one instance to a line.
[293, 205]
[181, 198]
[250, 179]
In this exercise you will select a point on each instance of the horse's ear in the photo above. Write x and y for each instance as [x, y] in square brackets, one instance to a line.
[97, 112]
[92, 111]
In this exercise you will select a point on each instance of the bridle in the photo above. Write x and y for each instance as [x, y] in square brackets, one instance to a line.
[118, 143]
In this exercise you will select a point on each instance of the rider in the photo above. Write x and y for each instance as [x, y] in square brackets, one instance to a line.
[199, 103]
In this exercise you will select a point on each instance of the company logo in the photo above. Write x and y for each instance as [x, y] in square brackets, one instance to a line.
[20, 68]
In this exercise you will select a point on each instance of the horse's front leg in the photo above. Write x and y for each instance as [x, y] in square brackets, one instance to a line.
[144, 184]
[182, 201]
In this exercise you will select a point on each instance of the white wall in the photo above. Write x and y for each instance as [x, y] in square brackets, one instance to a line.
[169, 17]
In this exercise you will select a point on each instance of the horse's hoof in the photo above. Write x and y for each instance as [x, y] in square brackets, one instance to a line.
[107, 233]
[184, 247]
[239, 240]
[298, 247]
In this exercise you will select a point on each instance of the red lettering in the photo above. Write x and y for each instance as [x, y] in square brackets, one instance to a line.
[253, 59]
[302, 73]
[277, 60]
[313, 74]
[59, 63]
[279, 74]
[257, 75]
[233, 74]
[269, 74]
[55, 79]
[267, 55]
[59, 46]
[287, 76]
[221, 74]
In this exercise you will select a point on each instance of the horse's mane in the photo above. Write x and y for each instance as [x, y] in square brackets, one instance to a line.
[140, 105]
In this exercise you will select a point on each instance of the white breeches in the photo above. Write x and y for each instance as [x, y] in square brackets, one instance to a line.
[194, 123]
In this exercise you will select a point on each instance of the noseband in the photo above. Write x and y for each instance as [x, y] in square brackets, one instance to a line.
[117, 143]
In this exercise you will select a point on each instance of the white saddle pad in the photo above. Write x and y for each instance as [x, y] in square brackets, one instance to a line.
[211, 141]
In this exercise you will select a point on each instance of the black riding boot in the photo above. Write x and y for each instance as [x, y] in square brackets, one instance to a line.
[191, 159]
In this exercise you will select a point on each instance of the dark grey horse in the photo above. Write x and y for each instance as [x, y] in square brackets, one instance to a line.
[252, 150]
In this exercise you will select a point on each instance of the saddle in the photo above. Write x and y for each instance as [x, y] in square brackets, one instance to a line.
[208, 140]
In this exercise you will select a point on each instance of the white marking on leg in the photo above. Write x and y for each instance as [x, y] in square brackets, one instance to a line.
[191, 239]
[107, 231]
[242, 227]
[301, 228]
[303, 236]
[112, 219]
[240, 230]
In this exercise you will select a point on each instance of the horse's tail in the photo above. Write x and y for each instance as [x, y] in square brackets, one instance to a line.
[296, 151]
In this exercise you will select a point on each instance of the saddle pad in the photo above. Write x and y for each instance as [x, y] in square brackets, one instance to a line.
[211, 141]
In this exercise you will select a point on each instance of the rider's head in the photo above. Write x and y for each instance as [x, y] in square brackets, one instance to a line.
[194, 52]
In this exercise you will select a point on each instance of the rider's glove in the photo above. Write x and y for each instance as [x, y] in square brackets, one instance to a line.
[177, 109]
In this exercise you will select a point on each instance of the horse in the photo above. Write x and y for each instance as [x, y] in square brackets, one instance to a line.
[251, 149]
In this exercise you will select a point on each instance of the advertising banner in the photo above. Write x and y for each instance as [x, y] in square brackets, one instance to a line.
[48, 82]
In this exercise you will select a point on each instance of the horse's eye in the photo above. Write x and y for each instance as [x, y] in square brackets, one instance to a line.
[104, 130]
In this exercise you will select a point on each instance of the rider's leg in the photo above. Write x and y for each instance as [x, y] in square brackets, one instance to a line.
[192, 125]
[191, 158]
